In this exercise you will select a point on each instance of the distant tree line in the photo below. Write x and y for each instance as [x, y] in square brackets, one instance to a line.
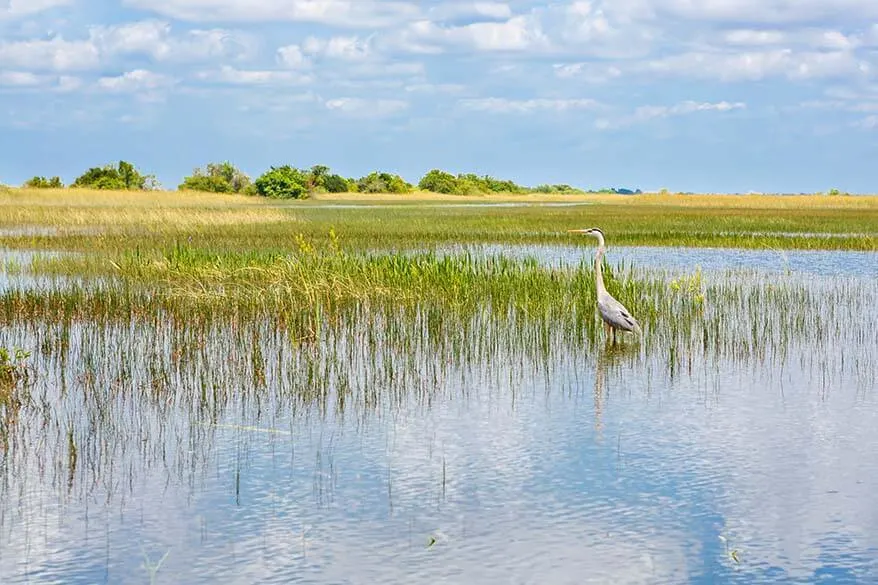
[288, 182]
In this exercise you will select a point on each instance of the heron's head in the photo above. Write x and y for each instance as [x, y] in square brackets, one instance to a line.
[596, 232]
[589, 231]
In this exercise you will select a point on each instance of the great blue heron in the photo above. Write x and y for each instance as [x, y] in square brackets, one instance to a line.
[614, 313]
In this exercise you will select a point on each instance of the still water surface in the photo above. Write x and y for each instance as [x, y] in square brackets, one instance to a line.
[499, 464]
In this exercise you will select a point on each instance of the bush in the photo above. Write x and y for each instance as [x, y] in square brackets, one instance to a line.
[336, 184]
[121, 177]
[221, 177]
[438, 181]
[43, 183]
[283, 182]
[376, 182]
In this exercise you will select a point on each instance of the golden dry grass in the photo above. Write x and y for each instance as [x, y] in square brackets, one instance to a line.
[87, 219]
[757, 201]
[79, 210]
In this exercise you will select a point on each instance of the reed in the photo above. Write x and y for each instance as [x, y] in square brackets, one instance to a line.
[105, 222]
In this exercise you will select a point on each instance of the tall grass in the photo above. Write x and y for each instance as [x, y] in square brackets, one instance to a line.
[101, 221]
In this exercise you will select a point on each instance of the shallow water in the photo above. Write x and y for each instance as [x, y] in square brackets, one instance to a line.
[15, 275]
[685, 259]
[500, 452]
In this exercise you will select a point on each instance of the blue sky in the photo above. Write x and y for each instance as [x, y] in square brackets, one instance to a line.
[701, 95]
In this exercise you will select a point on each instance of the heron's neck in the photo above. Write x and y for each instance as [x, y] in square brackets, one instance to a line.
[598, 273]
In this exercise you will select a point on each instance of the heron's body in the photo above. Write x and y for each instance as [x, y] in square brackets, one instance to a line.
[613, 313]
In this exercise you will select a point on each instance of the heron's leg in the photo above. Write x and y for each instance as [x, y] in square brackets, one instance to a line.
[614, 334]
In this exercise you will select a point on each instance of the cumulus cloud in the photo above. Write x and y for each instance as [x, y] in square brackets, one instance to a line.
[578, 27]
[588, 72]
[20, 78]
[758, 65]
[154, 38]
[346, 48]
[510, 106]
[138, 80]
[55, 54]
[752, 11]
[519, 33]
[150, 38]
[293, 57]
[347, 13]
[234, 76]
[366, 108]
[646, 113]
[21, 8]
[471, 10]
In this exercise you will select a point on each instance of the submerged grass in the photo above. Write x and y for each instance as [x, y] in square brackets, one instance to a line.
[183, 279]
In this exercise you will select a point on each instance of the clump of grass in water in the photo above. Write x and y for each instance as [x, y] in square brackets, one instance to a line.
[13, 370]
[185, 277]
[14, 376]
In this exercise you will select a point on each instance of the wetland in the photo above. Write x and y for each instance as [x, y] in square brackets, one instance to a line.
[201, 389]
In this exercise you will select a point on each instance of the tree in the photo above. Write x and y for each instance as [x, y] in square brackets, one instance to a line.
[376, 182]
[283, 182]
[39, 182]
[221, 177]
[123, 176]
[336, 184]
[316, 177]
[438, 181]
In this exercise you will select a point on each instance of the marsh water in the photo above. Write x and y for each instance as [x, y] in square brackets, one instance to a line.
[418, 447]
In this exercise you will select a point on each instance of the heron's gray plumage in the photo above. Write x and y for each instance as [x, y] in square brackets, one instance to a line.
[612, 311]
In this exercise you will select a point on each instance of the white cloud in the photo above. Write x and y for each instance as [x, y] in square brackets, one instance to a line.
[348, 13]
[646, 113]
[138, 80]
[29, 80]
[435, 88]
[588, 72]
[573, 28]
[233, 76]
[366, 108]
[807, 39]
[453, 10]
[510, 106]
[590, 28]
[154, 38]
[519, 33]
[68, 83]
[54, 54]
[292, 56]
[758, 65]
[346, 48]
[150, 38]
[754, 11]
[750, 37]
[19, 8]
[868, 123]
[20, 79]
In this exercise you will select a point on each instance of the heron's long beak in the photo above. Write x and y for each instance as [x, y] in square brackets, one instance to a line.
[579, 231]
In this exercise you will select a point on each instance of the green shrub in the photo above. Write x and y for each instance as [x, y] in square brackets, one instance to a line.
[39, 182]
[123, 176]
[284, 182]
[438, 181]
[221, 177]
[376, 182]
[336, 184]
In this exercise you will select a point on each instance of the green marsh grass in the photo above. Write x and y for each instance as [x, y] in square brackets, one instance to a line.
[105, 222]
[215, 311]
[137, 376]
[187, 319]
